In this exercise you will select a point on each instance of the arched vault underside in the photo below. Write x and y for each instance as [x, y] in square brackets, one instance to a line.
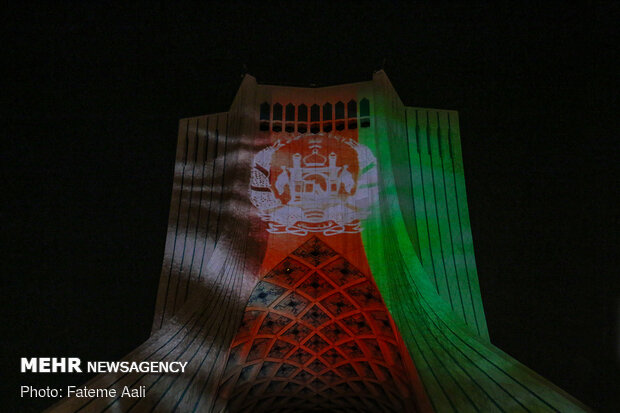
[319, 257]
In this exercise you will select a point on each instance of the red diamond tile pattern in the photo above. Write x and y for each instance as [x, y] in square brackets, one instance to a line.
[316, 336]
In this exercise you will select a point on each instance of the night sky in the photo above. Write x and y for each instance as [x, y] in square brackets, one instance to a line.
[94, 95]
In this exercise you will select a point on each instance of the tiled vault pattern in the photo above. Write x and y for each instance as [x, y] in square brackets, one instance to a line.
[315, 336]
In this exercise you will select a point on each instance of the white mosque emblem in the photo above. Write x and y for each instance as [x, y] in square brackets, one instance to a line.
[318, 193]
[315, 177]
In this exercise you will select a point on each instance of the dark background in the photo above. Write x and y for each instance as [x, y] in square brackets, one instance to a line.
[94, 95]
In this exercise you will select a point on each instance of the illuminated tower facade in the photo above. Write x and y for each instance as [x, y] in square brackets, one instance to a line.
[319, 257]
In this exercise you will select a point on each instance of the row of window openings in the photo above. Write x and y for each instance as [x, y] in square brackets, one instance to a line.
[315, 116]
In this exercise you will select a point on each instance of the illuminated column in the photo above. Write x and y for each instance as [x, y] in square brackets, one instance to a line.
[364, 298]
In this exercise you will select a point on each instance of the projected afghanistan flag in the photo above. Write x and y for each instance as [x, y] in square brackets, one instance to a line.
[319, 258]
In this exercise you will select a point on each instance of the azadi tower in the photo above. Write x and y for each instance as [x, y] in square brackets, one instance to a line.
[319, 258]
